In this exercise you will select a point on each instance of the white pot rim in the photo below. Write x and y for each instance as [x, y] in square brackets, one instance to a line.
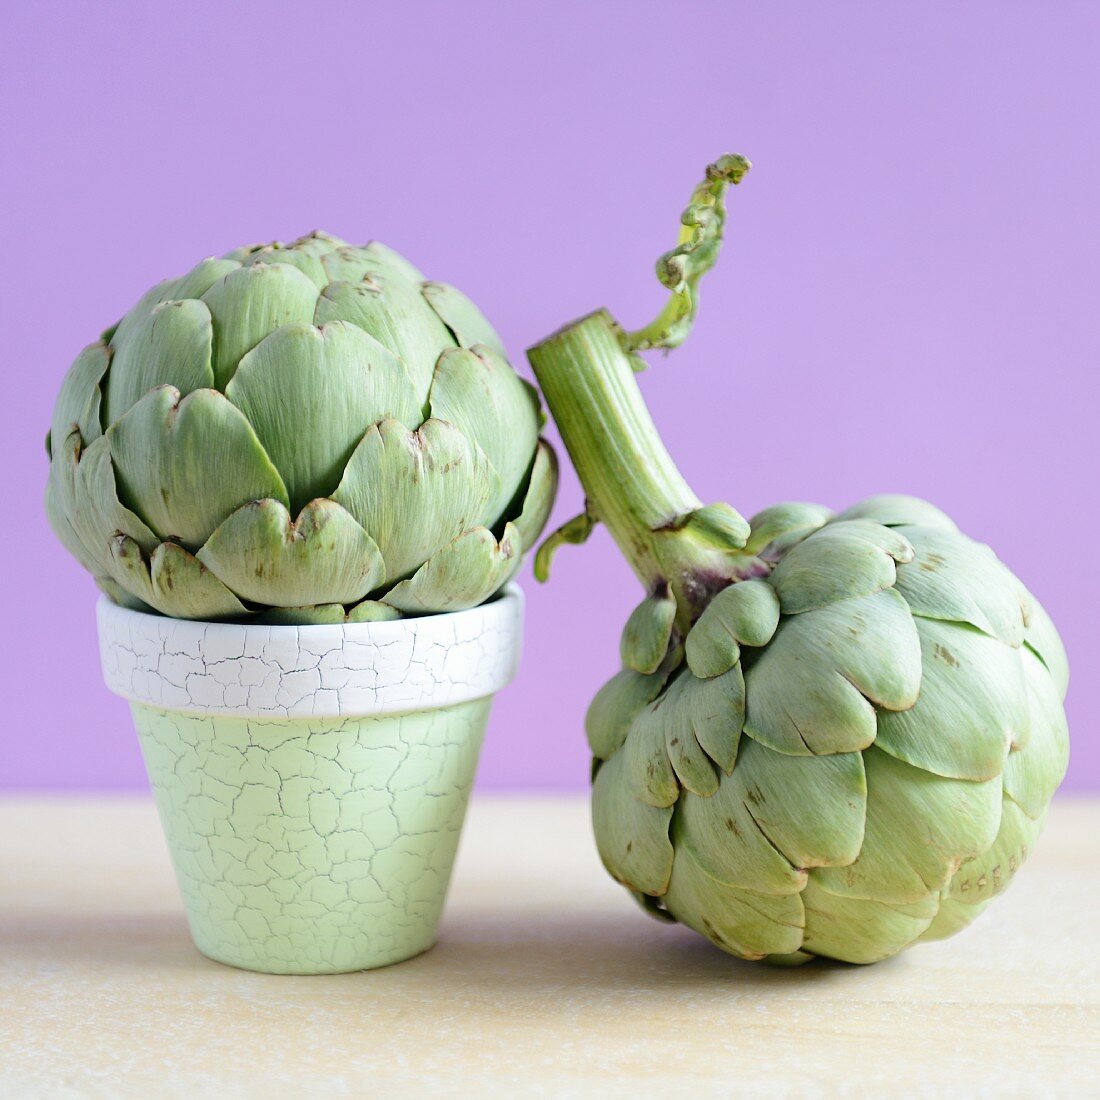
[329, 670]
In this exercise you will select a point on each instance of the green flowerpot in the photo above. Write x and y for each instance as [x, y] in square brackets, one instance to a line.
[312, 781]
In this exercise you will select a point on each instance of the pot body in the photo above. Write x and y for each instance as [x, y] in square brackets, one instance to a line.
[312, 781]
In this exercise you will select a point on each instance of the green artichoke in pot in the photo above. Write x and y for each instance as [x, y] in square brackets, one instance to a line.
[833, 734]
[304, 433]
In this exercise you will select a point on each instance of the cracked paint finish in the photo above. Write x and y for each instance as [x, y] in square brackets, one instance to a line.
[310, 671]
[312, 835]
[311, 846]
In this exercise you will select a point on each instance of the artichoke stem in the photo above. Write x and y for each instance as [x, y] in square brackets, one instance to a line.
[631, 483]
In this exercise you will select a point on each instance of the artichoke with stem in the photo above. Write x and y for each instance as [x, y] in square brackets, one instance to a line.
[310, 433]
[833, 734]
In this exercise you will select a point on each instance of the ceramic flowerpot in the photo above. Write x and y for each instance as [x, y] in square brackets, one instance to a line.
[312, 780]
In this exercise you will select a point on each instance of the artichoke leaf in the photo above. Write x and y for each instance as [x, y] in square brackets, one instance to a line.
[326, 614]
[1034, 769]
[728, 844]
[373, 611]
[205, 274]
[194, 284]
[1043, 639]
[631, 836]
[59, 502]
[776, 529]
[467, 323]
[840, 561]
[972, 705]
[479, 393]
[860, 930]
[94, 509]
[693, 767]
[717, 709]
[322, 557]
[542, 487]
[170, 345]
[78, 403]
[395, 313]
[812, 809]
[648, 631]
[174, 582]
[899, 510]
[920, 828]
[183, 465]
[304, 260]
[744, 923]
[319, 244]
[953, 916]
[615, 707]
[310, 394]
[989, 874]
[462, 574]
[434, 474]
[82, 504]
[251, 303]
[647, 769]
[811, 689]
[718, 525]
[353, 263]
[744, 613]
[956, 579]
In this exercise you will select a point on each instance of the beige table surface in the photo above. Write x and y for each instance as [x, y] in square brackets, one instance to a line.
[547, 981]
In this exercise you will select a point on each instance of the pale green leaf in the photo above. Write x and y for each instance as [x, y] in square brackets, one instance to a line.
[434, 475]
[920, 828]
[956, 579]
[462, 317]
[972, 705]
[395, 313]
[542, 487]
[481, 395]
[78, 403]
[898, 510]
[747, 924]
[251, 303]
[183, 465]
[170, 345]
[322, 557]
[990, 873]
[841, 561]
[462, 574]
[647, 633]
[1034, 768]
[812, 809]
[310, 394]
[631, 837]
[860, 930]
[616, 705]
[811, 689]
[777, 528]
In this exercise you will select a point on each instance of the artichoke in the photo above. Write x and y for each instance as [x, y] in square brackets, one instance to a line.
[301, 434]
[833, 734]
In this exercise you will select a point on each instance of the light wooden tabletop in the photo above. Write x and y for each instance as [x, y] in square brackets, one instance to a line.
[547, 981]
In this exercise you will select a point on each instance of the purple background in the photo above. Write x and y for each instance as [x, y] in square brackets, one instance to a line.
[907, 300]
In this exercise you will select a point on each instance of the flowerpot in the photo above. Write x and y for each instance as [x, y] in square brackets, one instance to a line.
[312, 780]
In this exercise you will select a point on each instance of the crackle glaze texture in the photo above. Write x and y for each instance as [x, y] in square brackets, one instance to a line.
[312, 781]
[312, 845]
[310, 671]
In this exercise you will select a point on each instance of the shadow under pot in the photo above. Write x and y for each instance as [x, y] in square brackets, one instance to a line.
[312, 781]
